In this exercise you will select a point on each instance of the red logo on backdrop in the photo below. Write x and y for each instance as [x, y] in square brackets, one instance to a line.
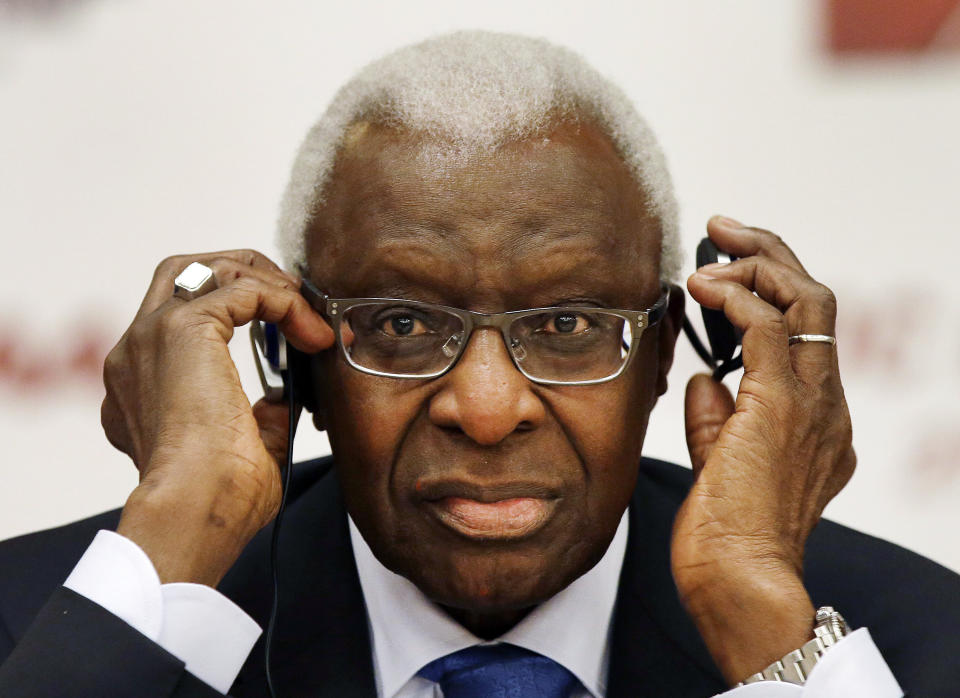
[33, 367]
[893, 26]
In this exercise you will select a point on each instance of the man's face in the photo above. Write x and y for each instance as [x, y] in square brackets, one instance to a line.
[490, 492]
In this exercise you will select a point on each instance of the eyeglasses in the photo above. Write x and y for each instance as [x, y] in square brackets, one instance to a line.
[396, 338]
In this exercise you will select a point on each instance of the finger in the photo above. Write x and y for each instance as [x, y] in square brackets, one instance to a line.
[744, 241]
[161, 286]
[248, 298]
[808, 307]
[764, 328]
[707, 407]
[226, 271]
[274, 422]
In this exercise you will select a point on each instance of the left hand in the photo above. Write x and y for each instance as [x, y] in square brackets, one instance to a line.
[766, 464]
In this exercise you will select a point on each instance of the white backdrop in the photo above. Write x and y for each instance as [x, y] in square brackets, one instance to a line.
[133, 130]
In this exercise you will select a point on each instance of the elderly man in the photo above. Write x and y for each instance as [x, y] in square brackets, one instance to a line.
[487, 241]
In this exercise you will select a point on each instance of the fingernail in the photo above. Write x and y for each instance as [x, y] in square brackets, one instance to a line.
[727, 223]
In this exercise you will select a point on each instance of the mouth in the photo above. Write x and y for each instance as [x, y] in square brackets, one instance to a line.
[491, 513]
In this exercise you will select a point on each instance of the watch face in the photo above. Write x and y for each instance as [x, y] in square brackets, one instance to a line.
[830, 623]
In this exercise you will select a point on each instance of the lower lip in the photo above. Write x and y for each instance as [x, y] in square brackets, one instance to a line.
[507, 519]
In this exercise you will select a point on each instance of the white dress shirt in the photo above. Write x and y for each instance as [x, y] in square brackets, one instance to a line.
[213, 636]
[409, 631]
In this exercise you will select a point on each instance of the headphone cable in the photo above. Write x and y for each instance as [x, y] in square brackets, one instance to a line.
[275, 536]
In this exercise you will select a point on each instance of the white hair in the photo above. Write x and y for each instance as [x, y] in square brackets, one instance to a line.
[477, 90]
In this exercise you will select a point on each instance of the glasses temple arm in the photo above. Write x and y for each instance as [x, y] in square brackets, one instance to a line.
[315, 297]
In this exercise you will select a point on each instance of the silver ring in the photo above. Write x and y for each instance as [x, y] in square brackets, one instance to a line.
[799, 338]
[194, 281]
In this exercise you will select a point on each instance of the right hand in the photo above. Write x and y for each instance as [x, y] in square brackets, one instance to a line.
[209, 462]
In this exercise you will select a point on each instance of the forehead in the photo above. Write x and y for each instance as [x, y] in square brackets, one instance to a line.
[404, 213]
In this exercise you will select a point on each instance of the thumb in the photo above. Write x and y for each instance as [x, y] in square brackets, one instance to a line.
[273, 419]
[707, 407]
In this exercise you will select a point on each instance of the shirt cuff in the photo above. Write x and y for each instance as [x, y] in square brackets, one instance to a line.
[195, 623]
[853, 668]
[208, 631]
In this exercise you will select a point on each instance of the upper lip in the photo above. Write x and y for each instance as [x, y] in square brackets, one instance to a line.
[485, 492]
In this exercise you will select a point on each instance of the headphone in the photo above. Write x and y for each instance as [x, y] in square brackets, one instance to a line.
[722, 336]
[285, 375]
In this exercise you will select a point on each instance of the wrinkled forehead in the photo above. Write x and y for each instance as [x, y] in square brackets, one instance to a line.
[524, 210]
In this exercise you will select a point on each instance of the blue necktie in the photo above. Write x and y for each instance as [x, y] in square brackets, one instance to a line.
[499, 671]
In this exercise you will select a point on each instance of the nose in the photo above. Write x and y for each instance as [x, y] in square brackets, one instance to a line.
[484, 396]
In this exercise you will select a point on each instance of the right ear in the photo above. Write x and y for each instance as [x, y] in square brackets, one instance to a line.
[668, 331]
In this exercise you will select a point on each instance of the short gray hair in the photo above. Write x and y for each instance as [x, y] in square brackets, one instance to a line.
[476, 90]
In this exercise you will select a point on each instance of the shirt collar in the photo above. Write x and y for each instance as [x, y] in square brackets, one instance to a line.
[409, 631]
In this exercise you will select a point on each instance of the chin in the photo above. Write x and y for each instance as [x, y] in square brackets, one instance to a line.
[492, 579]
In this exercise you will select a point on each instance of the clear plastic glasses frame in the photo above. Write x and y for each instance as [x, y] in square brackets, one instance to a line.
[634, 323]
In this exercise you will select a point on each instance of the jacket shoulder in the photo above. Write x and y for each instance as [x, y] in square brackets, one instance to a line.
[32, 566]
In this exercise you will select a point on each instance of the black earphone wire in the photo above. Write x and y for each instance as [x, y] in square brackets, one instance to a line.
[275, 536]
[719, 368]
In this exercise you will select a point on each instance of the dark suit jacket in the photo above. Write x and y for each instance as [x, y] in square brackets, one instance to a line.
[56, 643]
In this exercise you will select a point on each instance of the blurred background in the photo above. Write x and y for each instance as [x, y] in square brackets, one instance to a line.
[133, 130]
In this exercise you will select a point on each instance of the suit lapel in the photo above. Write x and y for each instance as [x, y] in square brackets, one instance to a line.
[655, 647]
[321, 644]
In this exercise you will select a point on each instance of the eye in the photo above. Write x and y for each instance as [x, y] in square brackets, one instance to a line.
[401, 323]
[566, 323]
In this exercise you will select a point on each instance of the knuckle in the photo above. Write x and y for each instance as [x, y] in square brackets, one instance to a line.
[250, 257]
[248, 284]
[224, 269]
[247, 291]
[111, 361]
[170, 265]
[767, 237]
[137, 337]
[827, 299]
[764, 274]
[771, 323]
[113, 370]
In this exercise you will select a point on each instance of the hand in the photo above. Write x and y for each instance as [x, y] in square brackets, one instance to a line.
[765, 465]
[208, 461]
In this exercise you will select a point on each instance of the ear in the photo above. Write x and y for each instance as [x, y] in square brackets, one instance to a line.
[668, 331]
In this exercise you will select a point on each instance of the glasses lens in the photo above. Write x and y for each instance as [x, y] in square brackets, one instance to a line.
[405, 339]
[567, 345]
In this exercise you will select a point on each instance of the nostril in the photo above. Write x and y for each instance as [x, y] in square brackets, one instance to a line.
[452, 429]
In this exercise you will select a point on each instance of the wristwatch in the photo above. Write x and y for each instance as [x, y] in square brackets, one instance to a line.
[828, 629]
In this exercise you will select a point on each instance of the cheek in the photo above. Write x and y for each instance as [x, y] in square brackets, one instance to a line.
[367, 420]
[608, 421]
[607, 424]
[366, 414]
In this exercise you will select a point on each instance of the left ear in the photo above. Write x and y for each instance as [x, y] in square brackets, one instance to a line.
[668, 331]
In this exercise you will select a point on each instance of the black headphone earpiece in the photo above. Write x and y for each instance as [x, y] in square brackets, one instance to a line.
[722, 336]
[279, 364]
